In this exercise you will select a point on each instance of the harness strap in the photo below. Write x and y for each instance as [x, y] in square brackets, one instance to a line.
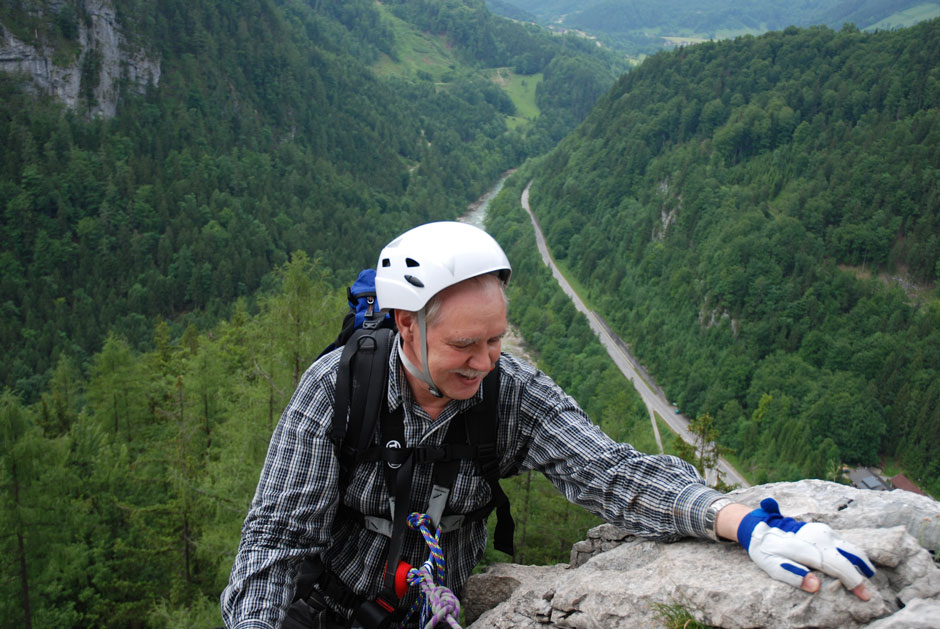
[313, 572]
[445, 470]
[471, 436]
[448, 522]
[422, 454]
[483, 431]
[400, 478]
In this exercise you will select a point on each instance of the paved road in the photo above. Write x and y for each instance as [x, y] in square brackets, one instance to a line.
[652, 395]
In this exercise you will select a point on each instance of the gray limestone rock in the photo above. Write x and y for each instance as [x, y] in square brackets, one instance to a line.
[118, 61]
[618, 580]
[480, 595]
[920, 614]
[843, 507]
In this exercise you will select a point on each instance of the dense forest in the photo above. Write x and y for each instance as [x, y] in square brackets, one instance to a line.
[126, 488]
[265, 136]
[168, 273]
[759, 218]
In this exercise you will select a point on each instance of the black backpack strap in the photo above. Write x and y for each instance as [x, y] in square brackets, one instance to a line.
[398, 466]
[360, 400]
[482, 428]
[358, 404]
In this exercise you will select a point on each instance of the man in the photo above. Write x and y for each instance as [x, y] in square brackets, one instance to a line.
[444, 283]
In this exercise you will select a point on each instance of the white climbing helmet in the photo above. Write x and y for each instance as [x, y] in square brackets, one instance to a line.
[427, 259]
[424, 261]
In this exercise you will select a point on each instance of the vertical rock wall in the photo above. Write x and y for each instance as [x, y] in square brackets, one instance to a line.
[103, 47]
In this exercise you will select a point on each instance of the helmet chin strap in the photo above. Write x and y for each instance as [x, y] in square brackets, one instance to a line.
[425, 375]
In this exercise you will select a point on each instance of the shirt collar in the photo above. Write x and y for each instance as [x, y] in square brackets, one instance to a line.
[399, 393]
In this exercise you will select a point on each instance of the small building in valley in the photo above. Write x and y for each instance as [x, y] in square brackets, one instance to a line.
[902, 482]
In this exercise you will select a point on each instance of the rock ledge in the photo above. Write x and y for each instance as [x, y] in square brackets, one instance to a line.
[618, 580]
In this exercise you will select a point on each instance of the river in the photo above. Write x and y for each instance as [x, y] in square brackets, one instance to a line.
[476, 215]
[476, 211]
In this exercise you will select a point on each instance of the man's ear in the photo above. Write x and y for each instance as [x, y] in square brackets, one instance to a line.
[407, 324]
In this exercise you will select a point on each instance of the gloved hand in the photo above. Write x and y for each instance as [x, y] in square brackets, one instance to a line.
[787, 549]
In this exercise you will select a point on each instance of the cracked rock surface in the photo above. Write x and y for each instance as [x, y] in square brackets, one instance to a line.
[618, 580]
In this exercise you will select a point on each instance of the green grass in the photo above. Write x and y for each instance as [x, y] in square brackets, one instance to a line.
[676, 616]
[426, 56]
[639, 374]
[739, 465]
[578, 287]
[642, 438]
[731, 33]
[667, 435]
[891, 467]
[417, 53]
[521, 90]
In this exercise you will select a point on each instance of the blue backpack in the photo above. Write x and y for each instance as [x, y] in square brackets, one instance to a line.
[363, 311]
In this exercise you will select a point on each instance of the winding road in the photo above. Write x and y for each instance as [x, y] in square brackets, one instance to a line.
[652, 395]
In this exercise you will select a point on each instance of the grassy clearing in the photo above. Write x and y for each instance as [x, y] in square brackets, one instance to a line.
[683, 41]
[418, 54]
[521, 90]
[731, 33]
[425, 56]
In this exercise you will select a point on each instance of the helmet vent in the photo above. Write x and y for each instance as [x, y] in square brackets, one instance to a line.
[414, 281]
[386, 262]
[411, 263]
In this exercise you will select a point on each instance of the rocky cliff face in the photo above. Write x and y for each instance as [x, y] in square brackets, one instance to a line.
[108, 60]
[617, 580]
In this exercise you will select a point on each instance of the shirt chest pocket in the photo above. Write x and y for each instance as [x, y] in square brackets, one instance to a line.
[366, 492]
[470, 490]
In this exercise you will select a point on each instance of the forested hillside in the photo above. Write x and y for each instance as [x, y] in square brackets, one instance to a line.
[645, 27]
[168, 273]
[760, 219]
[270, 132]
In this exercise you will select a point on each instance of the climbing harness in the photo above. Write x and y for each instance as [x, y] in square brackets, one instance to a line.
[360, 414]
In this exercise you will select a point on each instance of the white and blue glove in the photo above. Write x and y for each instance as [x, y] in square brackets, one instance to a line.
[787, 549]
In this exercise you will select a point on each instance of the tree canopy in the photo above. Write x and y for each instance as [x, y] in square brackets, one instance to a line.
[760, 217]
[270, 132]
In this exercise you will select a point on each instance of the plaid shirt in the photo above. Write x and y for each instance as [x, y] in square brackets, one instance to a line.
[540, 428]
